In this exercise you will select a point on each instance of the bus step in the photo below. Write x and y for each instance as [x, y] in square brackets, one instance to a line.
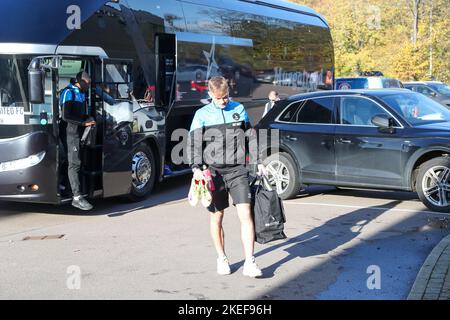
[177, 173]
[92, 173]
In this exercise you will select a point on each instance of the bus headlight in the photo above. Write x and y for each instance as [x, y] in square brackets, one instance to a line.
[22, 163]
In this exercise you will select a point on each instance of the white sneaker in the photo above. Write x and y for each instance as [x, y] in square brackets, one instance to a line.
[223, 267]
[251, 269]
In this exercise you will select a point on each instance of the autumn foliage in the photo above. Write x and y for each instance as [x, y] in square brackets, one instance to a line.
[406, 39]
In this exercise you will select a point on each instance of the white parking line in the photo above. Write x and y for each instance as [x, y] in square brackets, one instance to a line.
[363, 207]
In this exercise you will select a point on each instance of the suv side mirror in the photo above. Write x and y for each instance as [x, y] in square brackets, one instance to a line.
[36, 78]
[384, 123]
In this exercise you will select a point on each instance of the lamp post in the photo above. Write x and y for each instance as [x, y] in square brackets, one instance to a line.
[431, 40]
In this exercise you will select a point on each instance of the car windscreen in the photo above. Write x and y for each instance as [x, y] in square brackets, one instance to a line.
[347, 84]
[441, 88]
[416, 108]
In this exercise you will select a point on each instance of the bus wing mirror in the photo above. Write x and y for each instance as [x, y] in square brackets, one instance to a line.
[36, 78]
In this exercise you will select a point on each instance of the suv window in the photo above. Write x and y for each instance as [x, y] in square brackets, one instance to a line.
[358, 111]
[288, 114]
[411, 87]
[318, 110]
[424, 90]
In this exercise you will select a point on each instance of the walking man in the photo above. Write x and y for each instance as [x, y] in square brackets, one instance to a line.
[227, 165]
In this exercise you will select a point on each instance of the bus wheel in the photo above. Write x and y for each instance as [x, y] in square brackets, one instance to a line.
[143, 172]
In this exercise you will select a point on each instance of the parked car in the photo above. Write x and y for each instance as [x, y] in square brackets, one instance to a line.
[381, 139]
[435, 90]
[366, 83]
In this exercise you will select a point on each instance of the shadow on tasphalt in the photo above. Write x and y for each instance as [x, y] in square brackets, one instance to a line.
[325, 238]
[172, 189]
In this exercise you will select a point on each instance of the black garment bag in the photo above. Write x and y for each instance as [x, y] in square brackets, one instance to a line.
[268, 211]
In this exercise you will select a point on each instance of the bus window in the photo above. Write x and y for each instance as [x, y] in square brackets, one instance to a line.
[15, 108]
[68, 71]
[117, 92]
[169, 12]
[117, 80]
[205, 19]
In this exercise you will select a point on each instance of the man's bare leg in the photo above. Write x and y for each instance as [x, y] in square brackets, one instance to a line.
[247, 229]
[217, 233]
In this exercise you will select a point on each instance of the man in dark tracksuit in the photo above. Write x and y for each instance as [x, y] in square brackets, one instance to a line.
[225, 121]
[74, 96]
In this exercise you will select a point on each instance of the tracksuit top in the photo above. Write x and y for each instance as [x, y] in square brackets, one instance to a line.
[228, 133]
[66, 95]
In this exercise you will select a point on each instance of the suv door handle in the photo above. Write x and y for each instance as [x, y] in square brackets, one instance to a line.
[344, 141]
[291, 138]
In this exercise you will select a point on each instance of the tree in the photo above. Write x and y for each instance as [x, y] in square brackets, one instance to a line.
[414, 8]
[399, 43]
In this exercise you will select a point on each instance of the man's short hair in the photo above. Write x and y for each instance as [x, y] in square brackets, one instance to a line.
[83, 75]
[274, 93]
[218, 84]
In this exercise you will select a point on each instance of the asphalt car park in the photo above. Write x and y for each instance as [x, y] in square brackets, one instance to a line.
[338, 240]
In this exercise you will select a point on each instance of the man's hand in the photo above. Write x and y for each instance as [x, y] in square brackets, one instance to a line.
[262, 171]
[198, 174]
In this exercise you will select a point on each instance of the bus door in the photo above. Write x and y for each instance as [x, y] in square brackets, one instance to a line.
[117, 117]
[90, 156]
[166, 93]
[165, 69]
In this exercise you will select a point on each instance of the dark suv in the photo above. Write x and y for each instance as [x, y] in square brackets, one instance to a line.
[433, 89]
[381, 139]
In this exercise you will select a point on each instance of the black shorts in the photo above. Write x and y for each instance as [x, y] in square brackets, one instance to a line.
[234, 183]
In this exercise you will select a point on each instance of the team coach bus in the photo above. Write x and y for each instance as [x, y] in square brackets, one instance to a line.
[151, 60]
